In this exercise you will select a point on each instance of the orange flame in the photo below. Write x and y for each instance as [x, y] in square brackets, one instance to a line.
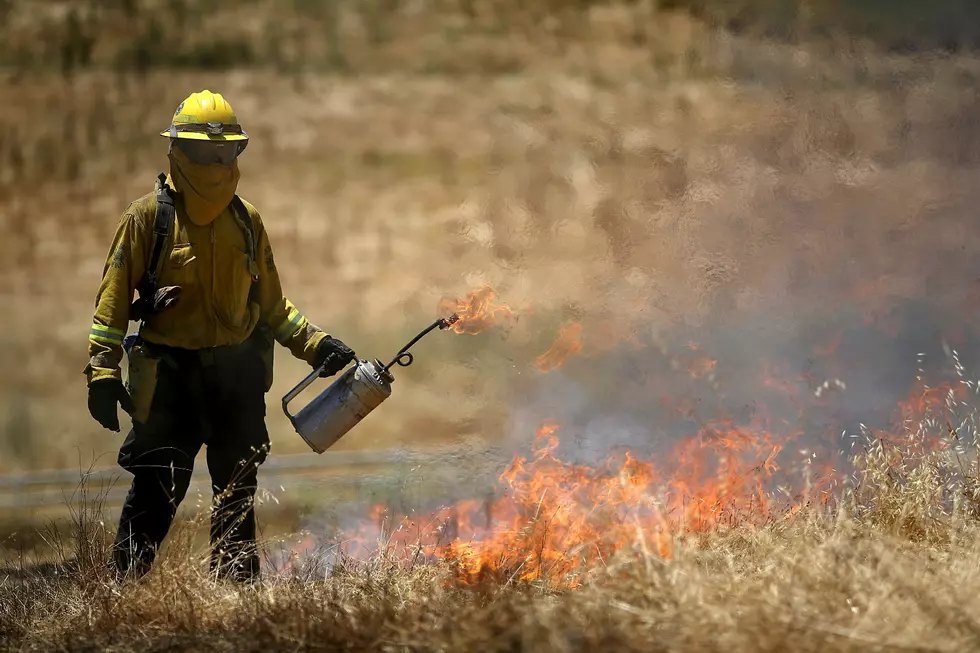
[476, 311]
[568, 343]
[926, 404]
[558, 519]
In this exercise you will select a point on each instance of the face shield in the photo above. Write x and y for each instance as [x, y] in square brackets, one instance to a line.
[207, 153]
[209, 144]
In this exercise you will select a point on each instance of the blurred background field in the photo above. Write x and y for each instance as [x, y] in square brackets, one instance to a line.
[791, 184]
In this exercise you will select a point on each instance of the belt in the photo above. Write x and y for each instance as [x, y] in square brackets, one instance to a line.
[207, 356]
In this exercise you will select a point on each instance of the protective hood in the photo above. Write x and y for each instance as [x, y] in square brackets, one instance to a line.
[206, 189]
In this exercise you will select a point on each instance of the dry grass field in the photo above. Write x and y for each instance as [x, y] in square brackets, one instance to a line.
[737, 249]
[888, 565]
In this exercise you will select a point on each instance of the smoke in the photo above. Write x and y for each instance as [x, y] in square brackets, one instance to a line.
[780, 261]
[822, 261]
[788, 261]
[782, 379]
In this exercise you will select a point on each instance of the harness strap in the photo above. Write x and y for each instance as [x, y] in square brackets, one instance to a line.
[163, 225]
[250, 246]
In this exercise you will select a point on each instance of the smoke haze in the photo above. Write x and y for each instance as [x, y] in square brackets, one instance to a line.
[728, 224]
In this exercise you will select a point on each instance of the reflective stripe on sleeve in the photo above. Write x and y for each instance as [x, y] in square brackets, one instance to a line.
[105, 335]
[291, 325]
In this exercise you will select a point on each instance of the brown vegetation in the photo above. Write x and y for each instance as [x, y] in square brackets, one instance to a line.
[889, 567]
[715, 227]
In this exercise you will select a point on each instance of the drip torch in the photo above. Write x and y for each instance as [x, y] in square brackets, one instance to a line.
[355, 393]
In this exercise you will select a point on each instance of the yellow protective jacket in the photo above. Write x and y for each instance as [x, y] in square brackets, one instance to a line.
[211, 266]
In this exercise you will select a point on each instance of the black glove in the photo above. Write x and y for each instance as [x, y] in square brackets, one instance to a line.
[103, 396]
[335, 354]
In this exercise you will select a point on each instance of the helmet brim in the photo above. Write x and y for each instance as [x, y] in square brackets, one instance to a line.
[198, 136]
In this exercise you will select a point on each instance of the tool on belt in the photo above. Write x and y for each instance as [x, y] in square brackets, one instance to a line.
[346, 401]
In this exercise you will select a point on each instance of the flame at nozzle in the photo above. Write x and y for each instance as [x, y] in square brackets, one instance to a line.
[447, 322]
[476, 311]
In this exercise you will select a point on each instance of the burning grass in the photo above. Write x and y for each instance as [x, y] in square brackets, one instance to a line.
[884, 560]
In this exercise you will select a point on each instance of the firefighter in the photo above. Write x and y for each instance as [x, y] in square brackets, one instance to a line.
[210, 307]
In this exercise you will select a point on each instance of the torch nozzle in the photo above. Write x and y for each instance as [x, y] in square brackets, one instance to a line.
[447, 322]
[404, 357]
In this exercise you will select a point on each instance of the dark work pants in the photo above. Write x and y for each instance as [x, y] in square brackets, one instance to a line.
[216, 398]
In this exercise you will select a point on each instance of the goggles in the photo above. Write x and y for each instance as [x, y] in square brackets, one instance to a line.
[210, 152]
[209, 128]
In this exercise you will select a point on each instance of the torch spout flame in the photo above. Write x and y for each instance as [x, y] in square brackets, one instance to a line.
[475, 312]
[447, 322]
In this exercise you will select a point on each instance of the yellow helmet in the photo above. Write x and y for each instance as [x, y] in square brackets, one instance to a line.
[205, 116]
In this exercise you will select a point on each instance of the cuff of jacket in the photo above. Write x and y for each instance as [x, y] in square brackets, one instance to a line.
[93, 373]
[308, 352]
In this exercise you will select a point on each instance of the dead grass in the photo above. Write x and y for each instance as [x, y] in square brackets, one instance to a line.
[649, 178]
[888, 565]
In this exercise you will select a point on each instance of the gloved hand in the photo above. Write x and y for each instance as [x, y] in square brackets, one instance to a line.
[103, 396]
[335, 354]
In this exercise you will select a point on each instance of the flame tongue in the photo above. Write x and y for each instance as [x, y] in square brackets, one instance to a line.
[567, 344]
[557, 520]
[476, 311]
[560, 519]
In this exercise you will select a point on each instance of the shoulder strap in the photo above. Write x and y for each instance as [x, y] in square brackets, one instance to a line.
[250, 245]
[163, 225]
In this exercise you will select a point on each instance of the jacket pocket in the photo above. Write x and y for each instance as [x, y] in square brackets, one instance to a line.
[141, 381]
[180, 267]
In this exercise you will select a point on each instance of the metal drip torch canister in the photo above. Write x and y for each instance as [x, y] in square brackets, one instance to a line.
[346, 401]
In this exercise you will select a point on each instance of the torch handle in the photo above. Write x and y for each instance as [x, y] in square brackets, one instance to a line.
[302, 385]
